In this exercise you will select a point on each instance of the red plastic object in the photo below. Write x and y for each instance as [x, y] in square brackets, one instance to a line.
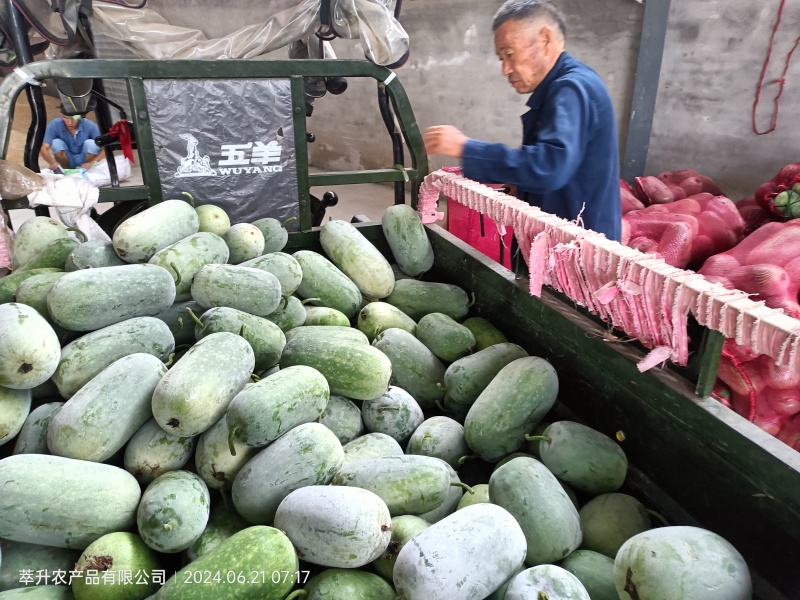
[465, 224]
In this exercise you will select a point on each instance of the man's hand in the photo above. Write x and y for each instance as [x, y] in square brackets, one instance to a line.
[53, 166]
[446, 140]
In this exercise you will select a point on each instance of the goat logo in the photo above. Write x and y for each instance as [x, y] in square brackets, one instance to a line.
[194, 165]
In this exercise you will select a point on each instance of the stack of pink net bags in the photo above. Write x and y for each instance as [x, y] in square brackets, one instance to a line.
[753, 246]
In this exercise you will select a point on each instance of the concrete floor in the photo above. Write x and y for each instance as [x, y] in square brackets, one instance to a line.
[364, 199]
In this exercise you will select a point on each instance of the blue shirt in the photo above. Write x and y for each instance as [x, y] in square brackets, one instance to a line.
[570, 151]
[56, 129]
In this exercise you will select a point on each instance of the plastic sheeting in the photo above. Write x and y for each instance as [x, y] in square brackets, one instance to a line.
[235, 154]
[148, 35]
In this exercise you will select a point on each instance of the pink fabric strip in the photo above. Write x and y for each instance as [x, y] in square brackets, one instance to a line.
[645, 298]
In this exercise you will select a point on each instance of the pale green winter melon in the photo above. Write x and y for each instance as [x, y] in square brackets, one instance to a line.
[33, 292]
[152, 451]
[394, 413]
[358, 258]
[595, 571]
[173, 512]
[250, 290]
[113, 556]
[19, 558]
[197, 390]
[343, 417]
[15, 406]
[610, 520]
[370, 445]
[93, 254]
[29, 348]
[105, 413]
[52, 256]
[290, 315]
[409, 485]
[479, 495]
[440, 437]
[213, 459]
[186, 257]
[347, 583]
[352, 369]
[491, 549]
[139, 237]
[257, 563]
[377, 317]
[546, 581]
[274, 232]
[84, 358]
[518, 397]
[245, 242]
[10, 283]
[321, 315]
[446, 338]
[266, 410]
[64, 502]
[334, 526]
[284, 266]
[212, 219]
[451, 499]
[323, 280]
[33, 236]
[587, 459]
[32, 438]
[527, 490]
[223, 522]
[414, 368]
[40, 592]
[265, 337]
[676, 563]
[407, 239]
[404, 528]
[309, 454]
[91, 299]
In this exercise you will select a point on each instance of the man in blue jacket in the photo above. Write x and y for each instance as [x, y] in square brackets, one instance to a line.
[69, 142]
[569, 160]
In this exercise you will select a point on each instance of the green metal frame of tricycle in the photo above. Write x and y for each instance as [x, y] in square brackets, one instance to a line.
[134, 72]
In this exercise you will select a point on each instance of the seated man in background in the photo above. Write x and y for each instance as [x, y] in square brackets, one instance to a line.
[69, 142]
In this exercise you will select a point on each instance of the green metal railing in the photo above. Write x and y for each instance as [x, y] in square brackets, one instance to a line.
[135, 72]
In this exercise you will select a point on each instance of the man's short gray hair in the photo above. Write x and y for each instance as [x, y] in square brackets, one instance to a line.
[523, 10]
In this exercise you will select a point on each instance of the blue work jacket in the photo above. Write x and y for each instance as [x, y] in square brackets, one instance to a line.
[569, 155]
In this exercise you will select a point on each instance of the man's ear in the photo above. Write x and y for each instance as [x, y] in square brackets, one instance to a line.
[547, 38]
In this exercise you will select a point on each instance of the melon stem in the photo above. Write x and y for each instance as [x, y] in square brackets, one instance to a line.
[231, 440]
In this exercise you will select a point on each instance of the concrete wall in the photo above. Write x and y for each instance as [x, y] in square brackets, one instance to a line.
[714, 56]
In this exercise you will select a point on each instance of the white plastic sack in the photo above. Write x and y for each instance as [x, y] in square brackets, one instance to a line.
[73, 199]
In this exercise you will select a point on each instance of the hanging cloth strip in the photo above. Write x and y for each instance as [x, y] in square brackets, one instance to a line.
[635, 292]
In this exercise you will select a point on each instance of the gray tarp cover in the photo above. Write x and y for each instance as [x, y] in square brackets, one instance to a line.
[238, 155]
[277, 24]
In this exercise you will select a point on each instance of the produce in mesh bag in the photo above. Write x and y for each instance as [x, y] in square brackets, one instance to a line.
[762, 392]
[628, 198]
[781, 195]
[685, 232]
[754, 214]
[671, 186]
[766, 264]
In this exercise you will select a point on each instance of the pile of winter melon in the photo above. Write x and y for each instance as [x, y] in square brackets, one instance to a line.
[188, 412]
